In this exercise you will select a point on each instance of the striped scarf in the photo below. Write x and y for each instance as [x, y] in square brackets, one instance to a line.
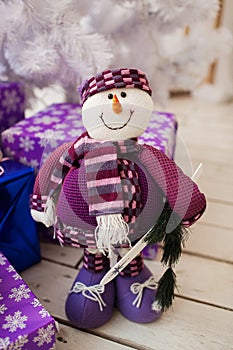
[105, 192]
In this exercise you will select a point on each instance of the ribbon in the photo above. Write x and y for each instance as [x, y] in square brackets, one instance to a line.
[137, 288]
[90, 292]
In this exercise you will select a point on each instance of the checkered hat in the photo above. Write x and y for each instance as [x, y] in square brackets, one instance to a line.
[116, 78]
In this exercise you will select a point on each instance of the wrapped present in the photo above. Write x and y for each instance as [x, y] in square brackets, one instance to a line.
[161, 132]
[32, 139]
[12, 100]
[24, 322]
[18, 234]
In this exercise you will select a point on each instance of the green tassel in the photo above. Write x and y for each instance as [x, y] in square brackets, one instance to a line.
[158, 231]
[173, 244]
[170, 232]
[166, 289]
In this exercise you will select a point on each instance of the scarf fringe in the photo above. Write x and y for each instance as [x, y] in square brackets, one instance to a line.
[111, 230]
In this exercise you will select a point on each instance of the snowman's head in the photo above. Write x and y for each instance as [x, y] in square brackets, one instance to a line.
[117, 105]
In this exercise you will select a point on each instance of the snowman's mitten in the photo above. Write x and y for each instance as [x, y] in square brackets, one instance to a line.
[48, 215]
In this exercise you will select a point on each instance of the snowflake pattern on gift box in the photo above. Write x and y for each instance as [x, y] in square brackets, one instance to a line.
[4, 342]
[11, 100]
[43, 312]
[2, 260]
[21, 325]
[36, 302]
[147, 136]
[73, 133]
[23, 160]
[10, 136]
[15, 275]
[47, 120]
[26, 143]
[61, 126]
[34, 128]
[13, 322]
[50, 137]
[3, 308]
[55, 112]
[9, 152]
[19, 343]
[19, 293]
[76, 123]
[33, 163]
[10, 268]
[45, 335]
[16, 345]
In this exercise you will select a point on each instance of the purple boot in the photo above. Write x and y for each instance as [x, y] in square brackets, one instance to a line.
[88, 304]
[136, 293]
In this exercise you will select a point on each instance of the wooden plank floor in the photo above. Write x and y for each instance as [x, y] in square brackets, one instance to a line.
[202, 315]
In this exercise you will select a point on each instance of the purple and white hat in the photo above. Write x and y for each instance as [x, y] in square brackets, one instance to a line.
[116, 78]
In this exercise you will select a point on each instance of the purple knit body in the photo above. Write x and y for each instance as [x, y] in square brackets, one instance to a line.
[75, 226]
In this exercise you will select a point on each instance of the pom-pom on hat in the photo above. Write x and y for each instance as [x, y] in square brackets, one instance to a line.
[116, 78]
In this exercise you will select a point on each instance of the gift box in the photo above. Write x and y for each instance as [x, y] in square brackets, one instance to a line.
[161, 132]
[18, 234]
[24, 322]
[31, 140]
[12, 100]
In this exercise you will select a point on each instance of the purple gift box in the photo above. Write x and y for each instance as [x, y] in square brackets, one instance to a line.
[24, 322]
[161, 132]
[31, 140]
[12, 100]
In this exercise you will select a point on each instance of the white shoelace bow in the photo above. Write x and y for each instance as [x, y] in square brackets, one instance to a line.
[90, 292]
[137, 288]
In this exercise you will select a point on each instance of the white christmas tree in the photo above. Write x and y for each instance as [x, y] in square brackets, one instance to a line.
[63, 42]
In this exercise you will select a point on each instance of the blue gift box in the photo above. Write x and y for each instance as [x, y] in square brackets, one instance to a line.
[18, 234]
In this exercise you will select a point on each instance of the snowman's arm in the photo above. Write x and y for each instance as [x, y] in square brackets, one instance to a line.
[182, 194]
[42, 210]
[50, 178]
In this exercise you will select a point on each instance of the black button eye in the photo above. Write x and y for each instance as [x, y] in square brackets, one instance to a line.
[110, 96]
[123, 94]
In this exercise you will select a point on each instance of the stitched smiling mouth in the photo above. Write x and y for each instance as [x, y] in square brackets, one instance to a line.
[118, 127]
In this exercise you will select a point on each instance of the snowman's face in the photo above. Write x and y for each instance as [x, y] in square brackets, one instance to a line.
[117, 114]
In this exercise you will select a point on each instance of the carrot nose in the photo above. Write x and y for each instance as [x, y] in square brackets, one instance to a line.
[116, 105]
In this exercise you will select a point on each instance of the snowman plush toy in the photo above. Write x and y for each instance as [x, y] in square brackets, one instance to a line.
[104, 191]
